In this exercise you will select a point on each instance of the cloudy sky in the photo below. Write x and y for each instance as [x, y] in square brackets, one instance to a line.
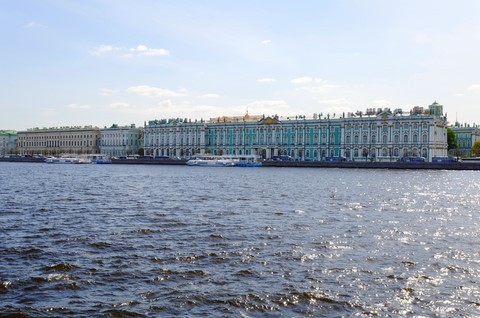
[86, 62]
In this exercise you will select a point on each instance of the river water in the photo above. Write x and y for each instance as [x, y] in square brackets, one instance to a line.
[162, 241]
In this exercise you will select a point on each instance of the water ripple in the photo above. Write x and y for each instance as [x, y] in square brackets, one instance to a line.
[123, 241]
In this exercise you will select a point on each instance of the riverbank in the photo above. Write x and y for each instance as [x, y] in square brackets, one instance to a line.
[303, 164]
[376, 165]
[330, 164]
[22, 159]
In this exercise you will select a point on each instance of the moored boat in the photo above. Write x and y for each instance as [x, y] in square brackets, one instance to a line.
[63, 160]
[211, 161]
[225, 161]
[100, 159]
[247, 161]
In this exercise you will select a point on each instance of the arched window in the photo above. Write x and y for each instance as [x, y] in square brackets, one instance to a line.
[405, 138]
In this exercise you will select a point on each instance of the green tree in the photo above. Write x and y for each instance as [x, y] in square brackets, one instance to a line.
[451, 139]
[476, 148]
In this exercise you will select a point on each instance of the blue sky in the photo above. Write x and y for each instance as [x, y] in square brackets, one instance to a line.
[75, 63]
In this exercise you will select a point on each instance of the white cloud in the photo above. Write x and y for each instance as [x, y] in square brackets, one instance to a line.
[459, 94]
[105, 49]
[169, 109]
[76, 106]
[266, 42]
[146, 90]
[306, 80]
[142, 50]
[210, 95]
[138, 51]
[107, 91]
[270, 107]
[119, 105]
[318, 89]
[474, 87]
[33, 25]
[266, 80]
[313, 85]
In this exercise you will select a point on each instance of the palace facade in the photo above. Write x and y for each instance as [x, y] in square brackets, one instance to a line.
[121, 141]
[376, 135]
[8, 141]
[466, 136]
[52, 141]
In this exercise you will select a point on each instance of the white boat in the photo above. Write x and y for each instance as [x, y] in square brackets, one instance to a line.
[211, 161]
[225, 161]
[247, 161]
[62, 160]
[99, 159]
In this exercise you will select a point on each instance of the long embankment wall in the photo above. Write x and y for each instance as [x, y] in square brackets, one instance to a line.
[377, 165]
[305, 164]
[329, 164]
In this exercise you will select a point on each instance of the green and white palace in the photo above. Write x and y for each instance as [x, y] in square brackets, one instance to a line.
[376, 135]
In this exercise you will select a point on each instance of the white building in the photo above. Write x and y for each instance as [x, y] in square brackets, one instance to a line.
[466, 135]
[8, 141]
[118, 141]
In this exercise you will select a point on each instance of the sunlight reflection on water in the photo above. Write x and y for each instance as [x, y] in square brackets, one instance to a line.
[182, 241]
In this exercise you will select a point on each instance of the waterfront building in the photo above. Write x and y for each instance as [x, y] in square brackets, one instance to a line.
[466, 136]
[376, 135]
[8, 141]
[53, 141]
[121, 141]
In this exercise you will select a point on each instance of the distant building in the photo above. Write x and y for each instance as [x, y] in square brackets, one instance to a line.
[377, 135]
[52, 141]
[8, 141]
[118, 141]
[466, 136]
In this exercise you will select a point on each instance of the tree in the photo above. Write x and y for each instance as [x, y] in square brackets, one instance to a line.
[476, 148]
[451, 139]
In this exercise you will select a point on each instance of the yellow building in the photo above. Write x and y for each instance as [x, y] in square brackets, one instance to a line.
[52, 141]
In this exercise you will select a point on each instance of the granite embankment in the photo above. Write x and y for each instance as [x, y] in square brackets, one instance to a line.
[470, 165]
[376, 165]
[329, 164]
